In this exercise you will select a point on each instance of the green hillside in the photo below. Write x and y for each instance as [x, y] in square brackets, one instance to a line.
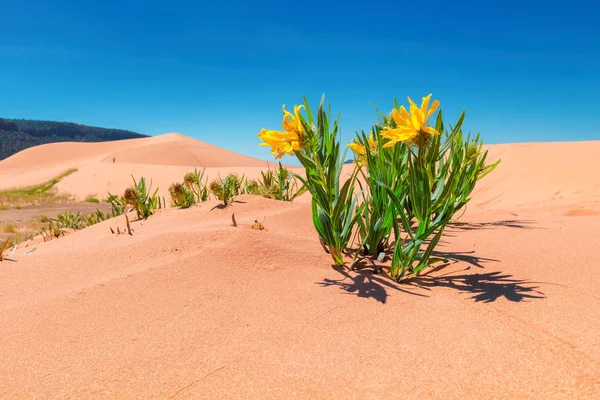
[19, 134]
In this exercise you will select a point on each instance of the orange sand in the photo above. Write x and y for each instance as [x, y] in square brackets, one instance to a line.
[191, 307]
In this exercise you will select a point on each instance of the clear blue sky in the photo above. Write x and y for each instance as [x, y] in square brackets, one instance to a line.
[220, 71]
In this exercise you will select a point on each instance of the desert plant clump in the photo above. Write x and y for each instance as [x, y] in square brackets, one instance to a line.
[280, 184]
[315, 143]
[139, 197]
[54, 230]
[418, 177]
[181, 196]
[69, 220]
[118, 204]
[195, 182]
[415, 177]
[193, 190]
[226, 189]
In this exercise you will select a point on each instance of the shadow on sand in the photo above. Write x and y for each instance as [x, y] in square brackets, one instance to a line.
[484, 287]
[509, 223]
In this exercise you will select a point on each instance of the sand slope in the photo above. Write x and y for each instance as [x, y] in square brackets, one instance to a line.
[191, 307]
[164, 159]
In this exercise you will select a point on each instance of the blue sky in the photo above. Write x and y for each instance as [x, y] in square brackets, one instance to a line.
[220, 71]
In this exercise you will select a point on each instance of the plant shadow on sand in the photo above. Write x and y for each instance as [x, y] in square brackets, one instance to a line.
[508, 223]
[223, 206]
[484, 287]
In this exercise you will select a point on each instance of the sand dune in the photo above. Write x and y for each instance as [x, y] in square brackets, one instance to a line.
[542, 176]
[191, 307]
[164, 159]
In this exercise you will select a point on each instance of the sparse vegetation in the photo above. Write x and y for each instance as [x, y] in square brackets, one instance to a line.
[53, 230]
[42, 194]
[193, 190]
[91, 199]
[10, 228]
[70, 221]
[226, 189]
[280, 184]
[139, 198]
[181, 196]
[118, 204]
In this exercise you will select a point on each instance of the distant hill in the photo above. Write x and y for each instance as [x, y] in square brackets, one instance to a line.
[19, 134]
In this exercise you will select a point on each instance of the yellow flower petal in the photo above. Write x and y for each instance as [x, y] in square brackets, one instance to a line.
[434, 107]
[425, 103]
[430, 130]
[357, 148]
[412, 103]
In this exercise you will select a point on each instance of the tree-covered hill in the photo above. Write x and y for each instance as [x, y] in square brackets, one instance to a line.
[19, 134]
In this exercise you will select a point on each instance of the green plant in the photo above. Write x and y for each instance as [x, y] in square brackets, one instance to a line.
[226, 189]
[70, 221]
[427, 174]
[194, 182]
[280, 184]
[378, 164]
[181, 196]
[94, 218]
[92, 199]
[53, 230]
[317, 148]
[117, 203]
[138, 196]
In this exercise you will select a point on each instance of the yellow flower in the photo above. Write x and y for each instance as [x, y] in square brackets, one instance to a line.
[361, 151]
[292, 123]
[287, 141]
[410, 125]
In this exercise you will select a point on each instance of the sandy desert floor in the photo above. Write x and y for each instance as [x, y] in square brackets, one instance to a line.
[192, 307]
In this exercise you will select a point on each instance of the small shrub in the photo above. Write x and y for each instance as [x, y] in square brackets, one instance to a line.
[69, 220]
[194, 182]
[280, 184]
[91, 199]
[4, 207]
[138, 196]
[10, 228]
[226, 189]
[181, 196]
[53, 230]
[253, 187]
[118, 204]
